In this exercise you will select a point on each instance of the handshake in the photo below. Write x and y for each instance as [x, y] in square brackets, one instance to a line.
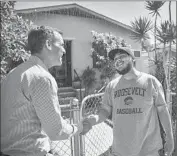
[86, 124]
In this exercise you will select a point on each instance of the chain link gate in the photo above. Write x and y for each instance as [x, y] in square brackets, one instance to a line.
[98, 141]
[69, 147]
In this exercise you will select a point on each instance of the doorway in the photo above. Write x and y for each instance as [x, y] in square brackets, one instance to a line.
[62, 74]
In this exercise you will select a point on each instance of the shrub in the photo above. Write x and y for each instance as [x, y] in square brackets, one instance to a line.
[102, 43]
[14, 31]
[88, 79]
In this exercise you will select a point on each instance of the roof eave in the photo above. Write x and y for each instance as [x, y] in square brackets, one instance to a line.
[67, 6]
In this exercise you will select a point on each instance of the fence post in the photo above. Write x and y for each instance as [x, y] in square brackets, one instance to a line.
[82, 137]
[76, 119]
[82, 146]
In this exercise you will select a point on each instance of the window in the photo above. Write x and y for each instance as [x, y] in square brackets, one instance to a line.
[137, 54]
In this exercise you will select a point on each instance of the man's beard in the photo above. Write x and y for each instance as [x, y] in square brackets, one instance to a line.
[125, 70]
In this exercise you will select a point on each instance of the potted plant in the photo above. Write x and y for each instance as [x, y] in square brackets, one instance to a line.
[76, 83]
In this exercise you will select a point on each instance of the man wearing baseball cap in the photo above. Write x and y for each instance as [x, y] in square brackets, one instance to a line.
[137, 104]
[120, 50]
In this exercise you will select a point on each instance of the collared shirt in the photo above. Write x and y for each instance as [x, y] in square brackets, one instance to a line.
[30, 112]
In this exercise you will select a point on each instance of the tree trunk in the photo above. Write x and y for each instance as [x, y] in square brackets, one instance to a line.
[155, 46]
[175, 127]
[164, 65]
[168, 94]
[141, 44]
[170, 11]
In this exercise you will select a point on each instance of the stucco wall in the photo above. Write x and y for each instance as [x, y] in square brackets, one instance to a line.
[79, 29]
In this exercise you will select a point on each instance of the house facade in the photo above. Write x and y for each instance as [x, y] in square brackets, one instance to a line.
[76, 23]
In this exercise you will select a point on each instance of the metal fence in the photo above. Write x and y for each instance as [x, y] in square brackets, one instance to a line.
[70, 112]
[96, 142]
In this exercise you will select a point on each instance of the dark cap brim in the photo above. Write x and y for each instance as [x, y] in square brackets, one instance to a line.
[113, 52]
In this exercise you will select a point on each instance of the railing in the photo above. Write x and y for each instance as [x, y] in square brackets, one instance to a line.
[76, 76]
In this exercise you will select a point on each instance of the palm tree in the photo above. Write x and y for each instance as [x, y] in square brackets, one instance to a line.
[171, 38]
[162, 37]
[154, 7]
[170, 11]
[162, 32]
[167, 34]
[141, 27]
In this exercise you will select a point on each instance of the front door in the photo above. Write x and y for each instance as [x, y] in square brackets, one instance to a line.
[62, 73]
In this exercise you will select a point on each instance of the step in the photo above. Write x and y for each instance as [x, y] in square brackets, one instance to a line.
[65, 107]
[65, 89]
[65, 101]
[67, 94]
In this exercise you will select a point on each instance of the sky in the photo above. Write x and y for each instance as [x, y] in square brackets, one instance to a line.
[122, 11]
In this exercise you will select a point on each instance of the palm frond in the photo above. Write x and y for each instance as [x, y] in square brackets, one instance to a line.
[171, 34]
[166, 32]
[154, 6]
[141, 27]
[161, 36]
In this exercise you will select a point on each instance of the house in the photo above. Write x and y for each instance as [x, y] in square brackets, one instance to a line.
[76, 22]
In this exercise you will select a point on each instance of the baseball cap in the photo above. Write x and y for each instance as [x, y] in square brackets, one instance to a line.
[120, 50]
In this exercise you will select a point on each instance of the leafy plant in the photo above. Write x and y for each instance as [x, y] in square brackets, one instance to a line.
[154, 7]
[88, 79]
[173, 87]
[160, 75]
[141, 27]
[14, 31]
[102, 43]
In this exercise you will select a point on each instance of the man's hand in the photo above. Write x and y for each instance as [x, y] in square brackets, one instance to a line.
[88, 123]
[87, 126]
